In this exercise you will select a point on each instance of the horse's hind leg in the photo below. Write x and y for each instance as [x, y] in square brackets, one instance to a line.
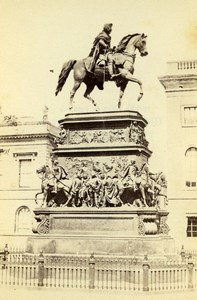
[89, 89]
[72, 93]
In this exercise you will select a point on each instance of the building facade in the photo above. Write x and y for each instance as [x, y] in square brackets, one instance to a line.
[25, 145]
[180, 84]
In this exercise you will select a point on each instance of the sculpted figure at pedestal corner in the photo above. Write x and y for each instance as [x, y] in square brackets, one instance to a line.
[105, 64]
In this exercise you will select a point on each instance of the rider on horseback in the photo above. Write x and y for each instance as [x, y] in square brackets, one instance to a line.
[101, 45]
[59, 174]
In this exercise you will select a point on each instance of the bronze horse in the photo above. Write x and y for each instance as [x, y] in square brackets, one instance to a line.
[50, 198]
[123, 61]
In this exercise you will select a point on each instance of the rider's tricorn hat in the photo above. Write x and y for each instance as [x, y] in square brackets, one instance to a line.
[108, 26]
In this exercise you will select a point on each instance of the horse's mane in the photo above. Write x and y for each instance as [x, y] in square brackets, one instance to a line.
[124, 41]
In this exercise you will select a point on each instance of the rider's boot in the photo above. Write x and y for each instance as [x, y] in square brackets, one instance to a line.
[111, 71]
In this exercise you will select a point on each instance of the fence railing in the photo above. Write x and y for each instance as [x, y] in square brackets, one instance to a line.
[96, 272]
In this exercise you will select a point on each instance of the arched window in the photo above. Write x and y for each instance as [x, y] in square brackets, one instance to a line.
[191, 167]
[23, 222]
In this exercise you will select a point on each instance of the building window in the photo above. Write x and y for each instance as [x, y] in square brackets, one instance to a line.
[25, 173]
[191, 168]
[191, 226]
[23, 222]
[189, 115]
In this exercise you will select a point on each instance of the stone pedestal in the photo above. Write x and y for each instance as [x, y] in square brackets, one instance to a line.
[97, 150]
[99, 137]
[116, 231]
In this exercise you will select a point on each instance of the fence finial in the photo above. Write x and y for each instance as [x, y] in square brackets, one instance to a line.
[92, 258]
[145, 257]
[182, 253]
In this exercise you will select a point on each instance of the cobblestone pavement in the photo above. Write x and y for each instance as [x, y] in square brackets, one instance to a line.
[10, 293]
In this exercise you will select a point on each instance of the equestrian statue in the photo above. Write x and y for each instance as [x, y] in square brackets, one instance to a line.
[105, 64]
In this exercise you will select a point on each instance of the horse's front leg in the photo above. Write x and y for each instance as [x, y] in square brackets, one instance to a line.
[127, 75]
[122, 89]
[36, 196]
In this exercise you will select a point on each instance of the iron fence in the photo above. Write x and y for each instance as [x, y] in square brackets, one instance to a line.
[96, 272]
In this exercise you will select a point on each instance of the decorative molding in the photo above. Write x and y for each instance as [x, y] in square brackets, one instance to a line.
[163, 228]
[43, 226]
[141, 226]
[135, 135]
[26, 136]
[25, 154]
[4, 151]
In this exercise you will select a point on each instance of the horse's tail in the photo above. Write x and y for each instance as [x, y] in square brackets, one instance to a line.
[67, 67]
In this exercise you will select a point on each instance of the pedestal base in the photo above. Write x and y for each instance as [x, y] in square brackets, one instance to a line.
[115, 231]
[156, 246]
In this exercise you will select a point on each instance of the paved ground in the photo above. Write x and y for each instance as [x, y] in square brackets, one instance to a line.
[64, 294]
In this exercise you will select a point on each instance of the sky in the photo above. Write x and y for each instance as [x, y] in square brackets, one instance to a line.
[37, 36]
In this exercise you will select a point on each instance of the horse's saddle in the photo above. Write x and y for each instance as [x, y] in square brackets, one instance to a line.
[118, 60]
[101, 61]
[101, 64]
[100, 70]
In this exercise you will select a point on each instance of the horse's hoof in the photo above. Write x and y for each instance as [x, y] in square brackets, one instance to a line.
[140, 96]
[95, 105]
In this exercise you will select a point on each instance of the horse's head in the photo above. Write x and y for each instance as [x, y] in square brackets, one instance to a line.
[140, 44]
[43, 169]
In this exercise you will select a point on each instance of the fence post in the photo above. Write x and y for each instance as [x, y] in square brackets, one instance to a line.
[190, 267]
[5, 256]
[146, 268]
[182, 253]
[41, 269]
[91, 271]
